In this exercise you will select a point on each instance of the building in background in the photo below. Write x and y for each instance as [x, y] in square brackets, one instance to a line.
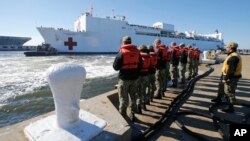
[12, 43]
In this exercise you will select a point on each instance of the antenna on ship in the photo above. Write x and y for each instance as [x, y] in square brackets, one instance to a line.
[91, 9]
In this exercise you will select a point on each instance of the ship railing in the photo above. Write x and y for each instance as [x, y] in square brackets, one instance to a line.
[141, 26]
[47, 27]
[62, 29]
[174, 36]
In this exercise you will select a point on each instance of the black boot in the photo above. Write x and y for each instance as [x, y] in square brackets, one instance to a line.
[217, 100]
[151, 100]
[229, 109]
[143, 106]
[157, 96]
[147, 101]
[138, 107]
[162, 94]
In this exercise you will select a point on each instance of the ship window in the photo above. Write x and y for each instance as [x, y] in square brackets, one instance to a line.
[5, 47]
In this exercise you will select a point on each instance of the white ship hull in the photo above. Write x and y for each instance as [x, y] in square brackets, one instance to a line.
[99, 35]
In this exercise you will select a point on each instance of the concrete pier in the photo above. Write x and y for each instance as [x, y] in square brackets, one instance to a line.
[205, 90]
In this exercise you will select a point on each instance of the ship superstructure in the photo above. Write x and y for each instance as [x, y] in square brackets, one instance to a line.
[103, 35]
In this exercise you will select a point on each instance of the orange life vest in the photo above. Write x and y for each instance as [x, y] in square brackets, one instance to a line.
[186, 50]
[145, 61]
[163, 49]
[197, 54]
[130, 56]
[190, 53]
[183, 55]
[153, 59]
[177, 50]
[168, 59]
[183, 50]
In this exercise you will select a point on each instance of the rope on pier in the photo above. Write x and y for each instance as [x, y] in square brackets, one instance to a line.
[170, 113]
[216, 120]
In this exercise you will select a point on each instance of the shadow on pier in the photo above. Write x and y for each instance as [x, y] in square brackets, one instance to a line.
[202, 127]
[195, 116]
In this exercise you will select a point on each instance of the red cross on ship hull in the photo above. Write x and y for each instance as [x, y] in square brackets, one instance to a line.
[70, 43]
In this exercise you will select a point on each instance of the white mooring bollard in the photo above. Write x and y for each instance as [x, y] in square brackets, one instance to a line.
[66, 82]
[69, 123]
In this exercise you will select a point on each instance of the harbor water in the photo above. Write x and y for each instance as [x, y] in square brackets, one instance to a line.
[24, 90]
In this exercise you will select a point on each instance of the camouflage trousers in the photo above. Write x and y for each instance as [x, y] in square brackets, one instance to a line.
[168, 71]
[143, 83]
[167, 75]
[174, 73]
[190, 68]
[159, 81]
[127, 90]
[183, 67]
[228, 90]
[151, 85]
[195, 68]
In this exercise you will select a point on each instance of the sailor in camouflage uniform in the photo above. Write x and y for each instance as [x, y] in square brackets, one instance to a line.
[196, 62]
[190, 61]
[231, 73]
[175, 56]
[168, 60]
[143, 96]
[152, 69]
[183, 62]
[160, 75]
[128, 63]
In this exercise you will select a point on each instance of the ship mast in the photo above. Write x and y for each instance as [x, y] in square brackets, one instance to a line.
[91, 9]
